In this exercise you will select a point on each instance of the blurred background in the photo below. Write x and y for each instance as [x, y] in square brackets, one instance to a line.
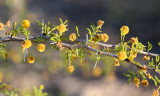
[50, 68]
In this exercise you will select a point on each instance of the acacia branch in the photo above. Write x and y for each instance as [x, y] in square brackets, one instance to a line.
[18, 39]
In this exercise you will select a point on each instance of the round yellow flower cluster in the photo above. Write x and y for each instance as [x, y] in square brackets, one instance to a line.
[41, 87]
[100, 23]
[97, 72]
[136, 81]
[59, 44]
[1, 26]
[73, 57]
[61, 28]
[149, 75]
[26, 44]
[122, 55]
[135, 54]
[131, 57]
[144, 83]
[8, 23]
[72, 37]
[104, 37]
[41, 47]
[116, 63]
[155, 93]
[70, 69]
[26, 24]
[144, 68]
[31, 59]
[146, 58]
[124, 30]
[134, 40]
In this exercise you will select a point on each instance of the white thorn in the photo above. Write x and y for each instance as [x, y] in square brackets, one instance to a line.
[42, 26]
[25, 53]
[96, 60]
[69, 60]
[86, 39]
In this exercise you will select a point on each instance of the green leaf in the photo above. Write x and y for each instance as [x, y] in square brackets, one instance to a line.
[149, 46]
[99, 57]
[61, 20]
[93, 29]
[104, 59]
[90, 33]
[157, 79]
[127, 75]
[155, 82]
[65, 22]
[143, 76]
[157, 58]
[151, 63]
[77, 31]
[129, 79]
[130, 71]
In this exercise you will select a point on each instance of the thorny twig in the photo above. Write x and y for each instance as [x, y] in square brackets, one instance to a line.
[17, 39]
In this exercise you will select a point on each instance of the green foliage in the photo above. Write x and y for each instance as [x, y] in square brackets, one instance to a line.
[142, 74]
[46, 28]
[155, 82]
[39, 92]
[8, 90]
[26, 33]
[52, 35]
[93, 33]
[131, 75]
[151, 63]
[128, 75]
[77, 31]
[3, 50]
[149, 46]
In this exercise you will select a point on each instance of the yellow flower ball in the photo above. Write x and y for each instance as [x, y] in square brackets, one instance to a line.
[134, 40]
[124, 30]
[149, 75]
[116, 63]
[135, 54]
[41, 87]
[26, 24]
[1, 26]
[122, 55]
[136, 81]
[144, 68]
[31, 59]
[155, 93]
[131, 57]
[100, 23]
[144, 83]
[97, 72]
[73, 57]
[70, 69]
[61, 28]
[104, 37]
[16, 58]
[27, 43]
[8, 23]
[72, 37]
[41, 47]
[146, 58]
